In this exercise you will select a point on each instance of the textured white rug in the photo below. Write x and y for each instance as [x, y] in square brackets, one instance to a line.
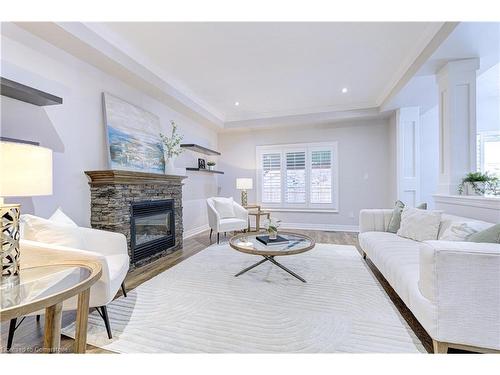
[199, 306]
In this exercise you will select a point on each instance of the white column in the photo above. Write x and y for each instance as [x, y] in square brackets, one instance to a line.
[457, 123]
[408, 155]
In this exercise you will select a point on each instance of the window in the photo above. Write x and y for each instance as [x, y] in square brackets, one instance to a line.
[488, 153]
[271, 178]
[298, 176]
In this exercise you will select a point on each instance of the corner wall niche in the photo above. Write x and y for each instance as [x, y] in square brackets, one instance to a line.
[116, 194]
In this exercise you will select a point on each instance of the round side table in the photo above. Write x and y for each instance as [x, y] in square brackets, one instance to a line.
[47, 287]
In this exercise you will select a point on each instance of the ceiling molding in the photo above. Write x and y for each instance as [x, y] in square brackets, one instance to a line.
[80, 41]
[439, 37]
[306, 119]
[99, 46]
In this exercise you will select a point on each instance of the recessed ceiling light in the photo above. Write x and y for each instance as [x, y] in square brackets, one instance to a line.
[236, 103]
[344, 90]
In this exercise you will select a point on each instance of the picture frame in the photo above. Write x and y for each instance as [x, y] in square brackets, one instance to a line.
[201, 164]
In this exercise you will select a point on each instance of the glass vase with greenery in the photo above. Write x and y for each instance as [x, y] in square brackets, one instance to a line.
[272, 226]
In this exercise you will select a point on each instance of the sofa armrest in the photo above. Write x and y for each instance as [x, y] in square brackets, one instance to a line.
[240, 212]
[104, 242]
[39, 254]
[374, 220]
[462, 279]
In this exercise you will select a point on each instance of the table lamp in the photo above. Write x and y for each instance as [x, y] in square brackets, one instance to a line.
[25, 171]
[244, 184]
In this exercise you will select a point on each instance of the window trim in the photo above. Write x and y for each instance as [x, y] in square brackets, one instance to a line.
[481, 138]
[308, 147]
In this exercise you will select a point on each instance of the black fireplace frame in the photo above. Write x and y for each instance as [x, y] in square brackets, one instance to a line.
[150, 248]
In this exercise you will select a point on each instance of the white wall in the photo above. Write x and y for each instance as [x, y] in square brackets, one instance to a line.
[429, 155]
[363, 149]
[75, 130]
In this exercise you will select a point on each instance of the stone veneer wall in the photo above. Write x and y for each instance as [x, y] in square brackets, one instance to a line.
[111, 204]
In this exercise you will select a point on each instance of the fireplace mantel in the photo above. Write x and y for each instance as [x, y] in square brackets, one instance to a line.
[114, 177]
[113, 194]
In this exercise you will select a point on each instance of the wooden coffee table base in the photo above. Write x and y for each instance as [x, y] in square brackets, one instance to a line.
[273, 261]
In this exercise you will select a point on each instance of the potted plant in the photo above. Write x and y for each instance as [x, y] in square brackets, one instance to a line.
[171, 148]
[272, 226]
[211, 165]
[478, 183]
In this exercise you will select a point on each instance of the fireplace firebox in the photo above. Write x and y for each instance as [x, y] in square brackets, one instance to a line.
[152, 228]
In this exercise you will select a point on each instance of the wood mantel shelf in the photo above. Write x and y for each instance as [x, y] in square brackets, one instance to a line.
[118, 177]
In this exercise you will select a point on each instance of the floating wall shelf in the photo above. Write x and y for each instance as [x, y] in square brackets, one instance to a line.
[200, 149]
[204, 170]
[27, 94]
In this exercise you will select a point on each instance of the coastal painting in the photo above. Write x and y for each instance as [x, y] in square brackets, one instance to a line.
[133, 137]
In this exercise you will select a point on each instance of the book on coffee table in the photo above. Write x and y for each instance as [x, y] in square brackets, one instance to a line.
[267, 241]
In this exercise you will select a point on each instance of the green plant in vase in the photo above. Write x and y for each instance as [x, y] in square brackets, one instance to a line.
[272, 226]
[211, 165]
[171, 148]
[478, 183]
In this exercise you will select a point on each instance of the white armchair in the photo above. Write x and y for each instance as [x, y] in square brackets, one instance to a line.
[108, 248]
[219, 224]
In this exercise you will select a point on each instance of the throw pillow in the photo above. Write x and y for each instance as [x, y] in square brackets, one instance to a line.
[224, 207]
[61, 218]
[490, 235]
[419, 225]
[457, 231]
[395, 221]
[49, 232]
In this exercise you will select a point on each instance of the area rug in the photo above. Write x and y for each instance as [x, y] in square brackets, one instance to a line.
[199, 306]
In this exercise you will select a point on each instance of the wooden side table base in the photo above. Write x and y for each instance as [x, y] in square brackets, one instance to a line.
[82, 314]
[52, 335]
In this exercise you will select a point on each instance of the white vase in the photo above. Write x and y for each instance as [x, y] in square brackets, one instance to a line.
[469, 189]
[169, 165]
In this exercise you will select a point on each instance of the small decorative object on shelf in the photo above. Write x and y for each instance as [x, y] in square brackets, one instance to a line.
[478, 183]
[211, 165]
[171, 148]
[244, 184]
[201, 164]
[272, 226]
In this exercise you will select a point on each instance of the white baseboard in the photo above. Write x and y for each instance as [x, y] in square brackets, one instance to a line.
[323, 227]
[195, 231]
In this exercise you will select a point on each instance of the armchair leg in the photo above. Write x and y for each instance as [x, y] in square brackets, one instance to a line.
[12, 329]
[440, 347]
[38, 318]
[124, 290]
[217, 237]
[103, 312]
[211, 231]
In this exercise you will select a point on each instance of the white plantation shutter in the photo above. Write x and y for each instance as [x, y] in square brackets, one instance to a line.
[321, 177]
[295, 177]
[271, 178]
[298, 176]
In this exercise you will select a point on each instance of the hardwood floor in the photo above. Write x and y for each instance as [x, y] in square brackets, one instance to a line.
[29, 336]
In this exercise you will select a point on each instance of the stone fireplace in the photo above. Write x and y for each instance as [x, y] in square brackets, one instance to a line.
[145, 207]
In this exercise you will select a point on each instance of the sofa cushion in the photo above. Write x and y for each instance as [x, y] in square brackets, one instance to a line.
[395, 257]
[61, 218]
[46, 231]
[395, 221]
[419, 225]
[230, 224]
[490, 235]
[449, 220]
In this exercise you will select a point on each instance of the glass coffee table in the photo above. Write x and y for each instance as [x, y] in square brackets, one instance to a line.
[248, 243]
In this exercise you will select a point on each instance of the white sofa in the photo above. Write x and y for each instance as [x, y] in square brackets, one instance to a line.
[452, 287]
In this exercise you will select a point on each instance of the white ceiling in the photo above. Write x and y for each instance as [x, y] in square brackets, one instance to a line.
[275, 69]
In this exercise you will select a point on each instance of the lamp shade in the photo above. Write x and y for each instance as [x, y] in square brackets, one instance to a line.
[25, 170]
[244, 183]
